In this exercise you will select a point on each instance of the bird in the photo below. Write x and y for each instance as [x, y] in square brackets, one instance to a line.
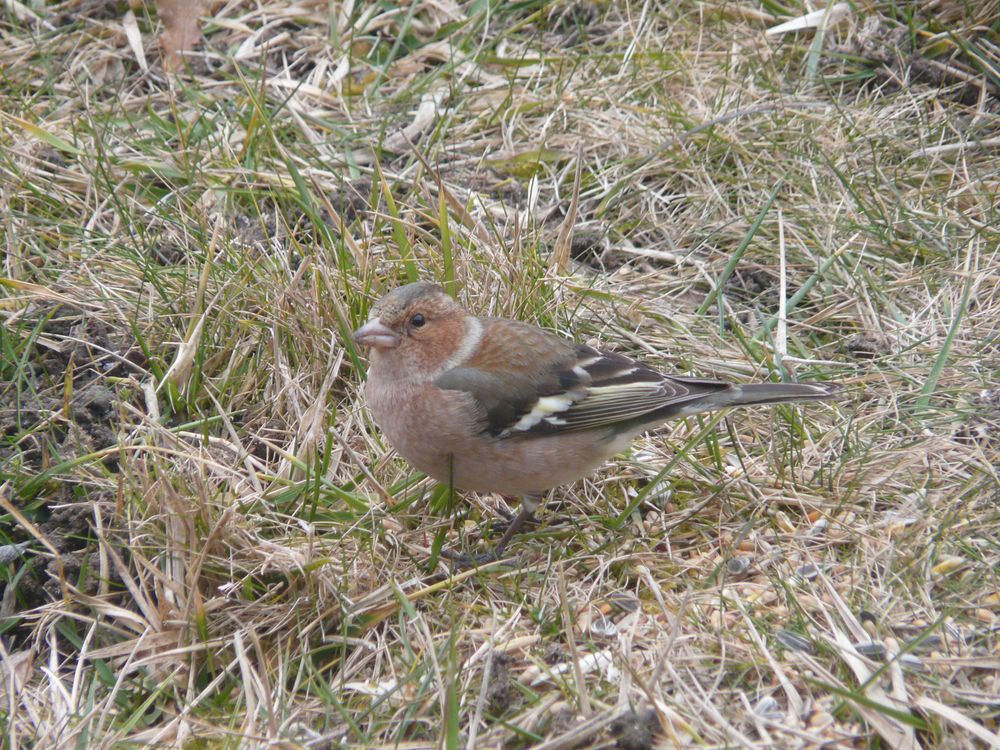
[485, 404]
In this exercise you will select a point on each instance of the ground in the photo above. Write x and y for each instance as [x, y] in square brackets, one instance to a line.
[205, 541]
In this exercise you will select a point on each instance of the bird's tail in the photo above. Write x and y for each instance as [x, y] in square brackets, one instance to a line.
[762, 393]
[696, 395]
[777, 393]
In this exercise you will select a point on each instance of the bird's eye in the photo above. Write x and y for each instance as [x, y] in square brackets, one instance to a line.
[418, 320]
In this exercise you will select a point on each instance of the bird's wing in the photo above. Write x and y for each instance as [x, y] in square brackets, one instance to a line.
[609, 391]
[569, 388]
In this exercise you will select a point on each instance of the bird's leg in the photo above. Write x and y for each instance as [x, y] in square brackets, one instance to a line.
[529, 504]
[507, 517]
[527, 514]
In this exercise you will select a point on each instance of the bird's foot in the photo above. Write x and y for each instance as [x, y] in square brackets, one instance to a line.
[502, 525]
[513, 527]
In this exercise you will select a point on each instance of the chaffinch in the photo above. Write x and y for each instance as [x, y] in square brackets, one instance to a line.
[495, 405]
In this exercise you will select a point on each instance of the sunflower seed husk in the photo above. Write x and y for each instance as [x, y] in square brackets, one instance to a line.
[930, 643]
[737, 566]
[795, 641]
[603, 627]
[808, 572]
[871, 649]
[10, 552]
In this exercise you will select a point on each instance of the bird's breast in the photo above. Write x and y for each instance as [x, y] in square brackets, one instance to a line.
[427, 428]
[440, 433]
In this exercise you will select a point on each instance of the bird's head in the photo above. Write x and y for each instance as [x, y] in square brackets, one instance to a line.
[414, 330]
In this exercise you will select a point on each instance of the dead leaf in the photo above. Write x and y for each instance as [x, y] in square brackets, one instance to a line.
[181, 30]
[564, 240]
[134, 37]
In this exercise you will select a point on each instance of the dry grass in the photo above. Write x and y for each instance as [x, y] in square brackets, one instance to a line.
[220, 551]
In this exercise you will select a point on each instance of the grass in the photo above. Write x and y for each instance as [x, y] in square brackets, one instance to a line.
[217, 549]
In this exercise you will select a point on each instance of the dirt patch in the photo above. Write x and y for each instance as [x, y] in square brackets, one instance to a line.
[82, 571]
[555, 653]
[501, 694]
[896, 61]
[69, 527]
[57, 404]
[591, 248]
[92, 10]
[44, 419]
[983, 424]
[756, 286]
[95, 347]
[70, 530]
[562, 719]
[869, 345]
[350, 201]
[636, 730]
[269, 229]
[256, 232]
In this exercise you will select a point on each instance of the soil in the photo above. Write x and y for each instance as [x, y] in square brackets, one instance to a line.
[896, 61]
[983, 424]
[756, 286]
[44, 421]
[501, 694]
[92, 10]
[70, 531]
[590, 248]
[636, 730]
[869, 345]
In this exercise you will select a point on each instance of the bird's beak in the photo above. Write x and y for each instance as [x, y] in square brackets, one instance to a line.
[376, 334]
